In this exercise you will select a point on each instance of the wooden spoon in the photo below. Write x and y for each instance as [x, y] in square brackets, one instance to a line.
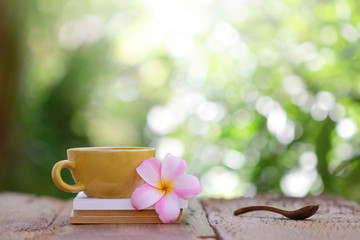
[297, 214]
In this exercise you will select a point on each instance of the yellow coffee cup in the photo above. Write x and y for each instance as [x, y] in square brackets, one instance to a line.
[103, 172]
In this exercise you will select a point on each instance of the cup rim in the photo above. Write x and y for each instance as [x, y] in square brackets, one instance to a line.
[112, 149]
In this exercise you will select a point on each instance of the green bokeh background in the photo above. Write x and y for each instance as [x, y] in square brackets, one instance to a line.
[256, 96]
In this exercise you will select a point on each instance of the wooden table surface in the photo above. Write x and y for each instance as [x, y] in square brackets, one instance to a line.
[25, 216]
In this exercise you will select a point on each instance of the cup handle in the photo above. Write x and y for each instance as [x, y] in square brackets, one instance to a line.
[56, 176]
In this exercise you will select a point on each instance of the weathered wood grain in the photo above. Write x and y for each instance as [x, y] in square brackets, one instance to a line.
[195, 218]
[24, 216]
[336, 218]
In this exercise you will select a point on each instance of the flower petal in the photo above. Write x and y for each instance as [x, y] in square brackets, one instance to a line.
[150, 170]
[145, 196]
[186, 186]
[168, 208]
[171, 167]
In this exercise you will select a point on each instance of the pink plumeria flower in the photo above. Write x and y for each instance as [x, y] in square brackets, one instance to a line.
[165, 184]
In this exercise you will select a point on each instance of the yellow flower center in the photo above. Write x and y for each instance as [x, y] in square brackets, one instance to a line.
[166, 186]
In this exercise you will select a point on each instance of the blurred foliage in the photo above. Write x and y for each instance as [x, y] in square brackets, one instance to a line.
[256, 95]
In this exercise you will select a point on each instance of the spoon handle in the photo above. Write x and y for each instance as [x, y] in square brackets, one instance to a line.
[259, 208]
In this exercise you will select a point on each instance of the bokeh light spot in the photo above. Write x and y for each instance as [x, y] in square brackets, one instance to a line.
[346, 128]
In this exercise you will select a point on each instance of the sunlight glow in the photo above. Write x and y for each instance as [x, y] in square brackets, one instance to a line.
[86, 29]
[305, 52]
[234, 159]
[211, 111]
[318, 113]
[329, 35]
[276, 122]
[349, 32]
[308, 160]
[265, 104]
[297, 183]
[287, 135]
[325, 100]
[180, 46]
[224, 35]
[294, 85]
[343, 10]
[346, 128]
[179, 16]
[167, 145]
[163, 120]
[218, 181]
